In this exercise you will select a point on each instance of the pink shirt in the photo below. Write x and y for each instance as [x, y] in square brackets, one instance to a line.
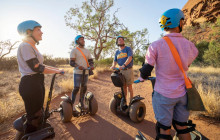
[169, 78]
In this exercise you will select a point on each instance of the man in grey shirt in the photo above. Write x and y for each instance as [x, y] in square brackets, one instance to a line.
[80, 58]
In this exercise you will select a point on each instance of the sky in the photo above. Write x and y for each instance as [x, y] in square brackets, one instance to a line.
[57, 37]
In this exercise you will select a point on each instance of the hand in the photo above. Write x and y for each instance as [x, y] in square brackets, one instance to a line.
[81, 67]
[112, 67]
[61, 72]
[121, 67]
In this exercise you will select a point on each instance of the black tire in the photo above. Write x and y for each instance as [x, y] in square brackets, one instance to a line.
[113, 105]
[137, 111]
[19, 135]
[138, 137]
[93, 106]
[66, 113]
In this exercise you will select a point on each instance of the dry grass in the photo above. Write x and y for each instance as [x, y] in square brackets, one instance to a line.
[66, 85]
[208, 82]
[211, 102]
[99, 70]
[10, 107]
[205, 70]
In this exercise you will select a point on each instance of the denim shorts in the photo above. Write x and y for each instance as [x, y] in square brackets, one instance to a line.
[167, 109]
[77, 79]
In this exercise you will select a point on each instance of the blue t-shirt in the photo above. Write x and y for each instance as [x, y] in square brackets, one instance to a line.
[122, 55]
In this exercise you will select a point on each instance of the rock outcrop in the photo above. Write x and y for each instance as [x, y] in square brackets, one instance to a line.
[198, 11]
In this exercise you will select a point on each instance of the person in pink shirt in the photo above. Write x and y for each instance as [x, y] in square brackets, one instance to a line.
[169, 96]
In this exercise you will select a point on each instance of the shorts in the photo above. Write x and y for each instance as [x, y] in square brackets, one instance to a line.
[167, 109]
[77, 79]
[129, 76]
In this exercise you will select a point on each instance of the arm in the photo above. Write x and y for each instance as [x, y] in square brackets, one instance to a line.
[146, 70]
[51, 70]
[127, 61]
[74, 64]
[40, 68]
[113, 64]
[50, 67]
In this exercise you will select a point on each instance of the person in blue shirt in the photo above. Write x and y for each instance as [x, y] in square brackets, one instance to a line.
[124, 58]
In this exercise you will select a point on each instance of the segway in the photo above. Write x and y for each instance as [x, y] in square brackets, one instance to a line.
[90, 104]
[45, 131]
[136, 109]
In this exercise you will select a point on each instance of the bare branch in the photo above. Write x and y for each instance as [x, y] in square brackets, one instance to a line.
[6, 47]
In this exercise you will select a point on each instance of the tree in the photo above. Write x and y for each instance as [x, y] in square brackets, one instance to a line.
[6, 47]
[94, 22]
[137, 40]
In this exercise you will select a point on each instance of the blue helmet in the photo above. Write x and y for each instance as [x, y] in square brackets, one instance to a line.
[118, 38]
[171, 18]
[77, 38]
[25, 25]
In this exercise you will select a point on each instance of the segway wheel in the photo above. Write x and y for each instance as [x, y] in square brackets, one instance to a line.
[93, 106]
[138, 137]
[113, 105]
[66, 112]
[137, 111]
[19, 135]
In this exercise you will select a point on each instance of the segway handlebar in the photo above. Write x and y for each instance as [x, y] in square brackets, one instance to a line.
[152, 79]
[142, 80]
[117, 69]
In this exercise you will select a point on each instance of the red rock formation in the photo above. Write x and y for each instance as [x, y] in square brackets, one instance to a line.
[197, 11]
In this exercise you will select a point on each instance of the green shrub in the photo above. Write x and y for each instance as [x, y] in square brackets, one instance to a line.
[104, 62]
[8, 63]
[49, 60]
[212, 55]
[138, 60]
[202, 47]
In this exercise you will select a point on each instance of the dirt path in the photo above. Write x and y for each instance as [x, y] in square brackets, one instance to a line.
[107, 126]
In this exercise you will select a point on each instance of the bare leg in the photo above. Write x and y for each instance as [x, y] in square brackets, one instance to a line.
[183, 136]
[165, 132]
[125, 90]
[130, 89]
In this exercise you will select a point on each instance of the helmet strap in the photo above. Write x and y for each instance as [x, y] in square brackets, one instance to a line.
[120, 45]
[180, 29]
[82, 46]
[30, 35]
[37, 42]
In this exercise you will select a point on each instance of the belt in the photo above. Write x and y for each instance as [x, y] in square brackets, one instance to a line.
[127, 68]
